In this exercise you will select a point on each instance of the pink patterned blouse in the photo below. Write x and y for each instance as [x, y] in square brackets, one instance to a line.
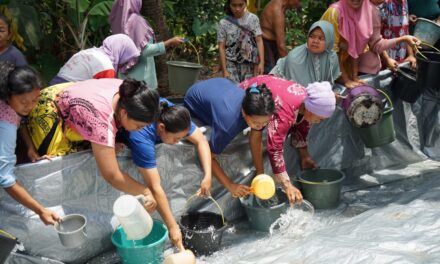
[86, 107]
[288, 97]
[8, 115]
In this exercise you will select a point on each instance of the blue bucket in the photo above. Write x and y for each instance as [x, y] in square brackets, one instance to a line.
[144, 251]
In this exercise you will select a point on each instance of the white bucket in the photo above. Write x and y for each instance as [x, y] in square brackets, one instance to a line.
[134, 219]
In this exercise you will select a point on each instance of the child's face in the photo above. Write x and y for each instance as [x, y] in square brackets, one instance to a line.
[238, 7]
[355, 4]
[24, 103]
[5, 35]
[255, 121]
[377, 2]
[316, 41]
[169, 137]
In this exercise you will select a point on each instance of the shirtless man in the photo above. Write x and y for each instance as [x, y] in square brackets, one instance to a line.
[273, 27]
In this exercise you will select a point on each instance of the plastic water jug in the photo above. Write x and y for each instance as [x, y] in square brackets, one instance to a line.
[134, 219]
[183, 257]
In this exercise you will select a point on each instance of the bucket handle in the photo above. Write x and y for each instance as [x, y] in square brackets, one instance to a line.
[7, 234]
[192, 45]
[205, 197]
[430, 46]
[387, 97]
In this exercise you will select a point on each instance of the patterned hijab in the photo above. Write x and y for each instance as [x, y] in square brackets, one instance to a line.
[125, 18]
[355, 26]
[304, 67]
[120, 49]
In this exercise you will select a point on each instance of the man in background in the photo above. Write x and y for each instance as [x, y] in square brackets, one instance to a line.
[272, 21]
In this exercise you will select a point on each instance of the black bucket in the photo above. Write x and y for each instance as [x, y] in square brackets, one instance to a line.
[428, 70]
[202, 231]
[7, 244]
[405, 85]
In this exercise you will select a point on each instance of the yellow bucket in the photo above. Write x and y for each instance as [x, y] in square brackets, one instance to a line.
[263, 186]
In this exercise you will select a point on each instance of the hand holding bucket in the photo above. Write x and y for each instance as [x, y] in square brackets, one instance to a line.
[263, 186]
[134, 219]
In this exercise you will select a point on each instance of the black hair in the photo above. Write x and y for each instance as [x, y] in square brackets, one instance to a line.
[7, 21]
[227, 7]
[258, 102]
[15, 80]
[140, 102]
[175, 118]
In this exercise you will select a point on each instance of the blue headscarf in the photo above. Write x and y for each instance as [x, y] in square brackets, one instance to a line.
[304, 67]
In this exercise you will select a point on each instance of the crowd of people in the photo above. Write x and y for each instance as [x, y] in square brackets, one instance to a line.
[107, 95]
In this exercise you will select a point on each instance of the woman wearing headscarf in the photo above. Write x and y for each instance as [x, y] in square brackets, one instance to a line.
[126, 18]
[313, 61]
[97, 63]
[355, 32]
[296, 108]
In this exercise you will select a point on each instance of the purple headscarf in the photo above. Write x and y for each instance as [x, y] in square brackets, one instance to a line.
[125, 18]
[320, 99]
[120, 49]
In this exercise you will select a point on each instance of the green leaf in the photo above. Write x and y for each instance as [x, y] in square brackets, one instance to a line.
[28, 24]
[197, 27]
[101, 9]
[83, 5]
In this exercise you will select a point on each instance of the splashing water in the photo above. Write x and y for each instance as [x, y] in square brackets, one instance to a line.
[294, 224]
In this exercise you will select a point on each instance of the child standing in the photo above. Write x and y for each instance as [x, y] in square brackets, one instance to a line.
[395, 23]
[9, 52]
[240, 42]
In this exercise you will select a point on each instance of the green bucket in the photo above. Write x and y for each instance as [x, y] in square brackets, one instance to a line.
[381, 133]
[261, 218]
[148, 250]
[322, 187]
[181, 75]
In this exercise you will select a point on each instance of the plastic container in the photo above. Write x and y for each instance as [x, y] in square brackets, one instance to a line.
[427, 31]
[381, 133]
[134, 219]
[184, 257]
[263, 186]
[202, 231]
[363, 106]
[262, 214]
[181, 75]
[71, 230]
[322, 187]
[428, 70]
[147, 250]
[405, 85]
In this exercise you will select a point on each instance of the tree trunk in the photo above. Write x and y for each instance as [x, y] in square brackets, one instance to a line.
[153, 9]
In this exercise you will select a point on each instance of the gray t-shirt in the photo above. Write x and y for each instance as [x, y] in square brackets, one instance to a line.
[13, 56]
[232, 36]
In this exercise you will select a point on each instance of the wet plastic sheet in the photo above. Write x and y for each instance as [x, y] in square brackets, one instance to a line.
[351, 233]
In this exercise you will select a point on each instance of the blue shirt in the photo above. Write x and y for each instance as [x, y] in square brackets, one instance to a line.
[8, 135]
[142, 143]
[217, 103]
[13, 56]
